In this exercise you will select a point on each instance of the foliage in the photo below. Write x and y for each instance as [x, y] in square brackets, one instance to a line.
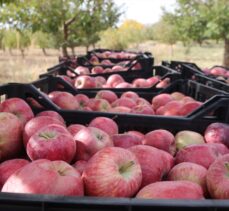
[44, 40]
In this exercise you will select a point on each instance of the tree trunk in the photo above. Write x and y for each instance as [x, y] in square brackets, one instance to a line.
[44, 51]
[22, 52]
[73, 50]
[226, 53]
[64, 46]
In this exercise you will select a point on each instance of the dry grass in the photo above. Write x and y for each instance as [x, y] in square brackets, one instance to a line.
[13, 68]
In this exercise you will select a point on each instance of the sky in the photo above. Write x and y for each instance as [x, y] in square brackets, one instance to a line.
[144, 11]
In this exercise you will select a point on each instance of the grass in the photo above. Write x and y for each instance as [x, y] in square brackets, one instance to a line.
[13, 68]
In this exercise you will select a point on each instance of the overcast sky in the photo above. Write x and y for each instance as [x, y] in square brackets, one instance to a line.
[144, 11]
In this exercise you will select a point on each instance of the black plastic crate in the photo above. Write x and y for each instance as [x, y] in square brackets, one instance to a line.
[145, 71]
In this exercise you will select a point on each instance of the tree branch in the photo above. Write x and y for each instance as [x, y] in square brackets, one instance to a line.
[70, 21]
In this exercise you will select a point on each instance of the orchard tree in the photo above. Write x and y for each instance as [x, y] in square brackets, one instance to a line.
[61, 17]
[198, 20]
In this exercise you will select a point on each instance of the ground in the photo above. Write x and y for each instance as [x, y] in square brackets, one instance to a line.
[14, 68]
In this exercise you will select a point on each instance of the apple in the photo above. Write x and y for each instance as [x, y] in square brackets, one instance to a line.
[120, 109]
[124, 85]
[217, 178]
[106, 62]
[46, 177]
[202, 154]
[161, 100]
[177, 95]
[80, 165]
[129, 94]
[10, 136]
[124, 101]
[189, 107]
[186, 137]
[141, 83]
[218, 71]
[164, 83]
[220, 148]
[100, 81]
[75, 128]
[8, 167]
[172, 108]
[99, 105]
[217, 133]
[191, 172]
[53, 114]
[94, 60]
[80, 70]
[112, 172]
[140, 135]
[142, 101]
[82, 99]
[114, 80]
[142, 109]
[85, 82]
[19, 108]
[153, 80]
[37, 123]
[117, 68]
[106, 124]
[171, 190]
[97, 70]
[161, 139]
[52, 142]
[65, 100]
[186, 99]
[108, 95]
[67, 79]
[152, 161]
[89, 141]
[126, 140]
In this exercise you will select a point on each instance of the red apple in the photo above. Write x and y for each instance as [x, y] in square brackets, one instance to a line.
[75, 128]
[141, 83]
[37, 123]
[217, 178]
[177, 95]
[97, 70]
[8, 167]
[85, 82]
[19, 108]
[53, 114]
[117, 68]
[142, 109]
[106, 124]
[129, 94]
[172, 108]
[82, 99]
[112, 172]
[100, 81]
[142, 101]
[126, 140]
[191, 172]
[189, 107]
[124, 85]
[140, 135]
[127, 102]
[108, 95]
[80, 70]
[94, 60]
[161, 139]
[171, 190]
[164, 83]
[202, 154]
[120, 109]
[10, 135]
[52, 142]
[114, 80]
[161, 100]
[186, 137]
[99, 105]
[217, 133]
[46, 177]
[153, 80]
[152, 161]
[66, 100]
[67, 79]
[89, 141]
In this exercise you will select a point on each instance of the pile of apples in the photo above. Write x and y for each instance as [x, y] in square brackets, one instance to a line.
[217, 71]
[115, 55]
[115, 81]
[174, 104]
[98, 160]
[98, 69]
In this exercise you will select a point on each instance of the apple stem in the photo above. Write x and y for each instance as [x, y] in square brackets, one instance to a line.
[126, 166]
[227, 165]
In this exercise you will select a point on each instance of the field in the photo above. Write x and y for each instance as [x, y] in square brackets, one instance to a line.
[14, 68]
